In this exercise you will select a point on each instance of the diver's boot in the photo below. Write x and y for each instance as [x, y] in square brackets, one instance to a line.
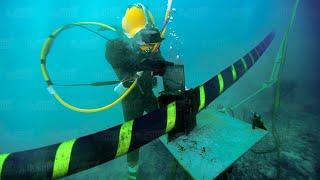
[132, 172]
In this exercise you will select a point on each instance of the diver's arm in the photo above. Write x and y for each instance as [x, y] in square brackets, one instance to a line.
[156, 63]
[158, 56]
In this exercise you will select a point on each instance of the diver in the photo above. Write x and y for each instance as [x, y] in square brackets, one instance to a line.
[132, 56]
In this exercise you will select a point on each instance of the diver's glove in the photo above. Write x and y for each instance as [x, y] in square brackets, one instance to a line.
[123, 86]
[158, 67]
[120, 89]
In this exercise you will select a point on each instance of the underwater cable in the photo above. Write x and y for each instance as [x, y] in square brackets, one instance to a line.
[66, 158]
[69, 157]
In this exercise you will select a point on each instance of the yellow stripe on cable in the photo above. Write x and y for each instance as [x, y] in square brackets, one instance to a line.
[234, 73]
[252, 58]
[202, 98]
[125, 135]
[264, 43]
[171, 116]
[257, 52]
[3, 158]
[62, 159]
[221, 83]
[244, 64]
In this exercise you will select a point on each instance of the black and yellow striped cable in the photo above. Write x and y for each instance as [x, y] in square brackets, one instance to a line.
[79, 154]
[76, 155]
[214, 87]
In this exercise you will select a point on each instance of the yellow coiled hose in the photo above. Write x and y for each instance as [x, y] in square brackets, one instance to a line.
[45, 51]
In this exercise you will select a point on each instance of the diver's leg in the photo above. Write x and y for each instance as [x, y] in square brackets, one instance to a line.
[132, 109]
[151, 103]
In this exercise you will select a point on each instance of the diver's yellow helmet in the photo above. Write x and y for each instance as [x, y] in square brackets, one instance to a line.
[136, 18]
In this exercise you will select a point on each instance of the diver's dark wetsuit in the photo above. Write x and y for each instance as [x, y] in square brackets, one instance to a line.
[125, 61]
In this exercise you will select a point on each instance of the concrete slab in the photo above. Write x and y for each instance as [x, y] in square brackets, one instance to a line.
[214, 145]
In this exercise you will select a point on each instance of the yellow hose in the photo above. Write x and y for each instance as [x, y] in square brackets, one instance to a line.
[74, 108]
[164, 28]
[45, 51]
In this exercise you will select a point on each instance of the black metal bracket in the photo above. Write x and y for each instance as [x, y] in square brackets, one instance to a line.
[257, 122]
[186, 112]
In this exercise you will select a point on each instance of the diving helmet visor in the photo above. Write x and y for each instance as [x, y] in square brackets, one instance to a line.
[147, 39]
